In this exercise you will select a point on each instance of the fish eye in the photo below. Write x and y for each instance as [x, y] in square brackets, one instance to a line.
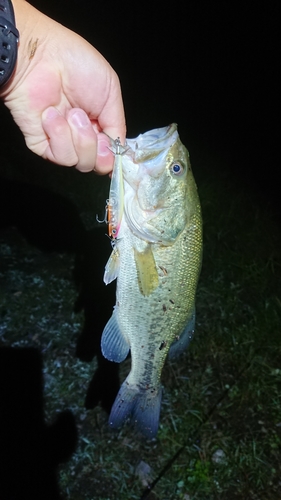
[177, 168]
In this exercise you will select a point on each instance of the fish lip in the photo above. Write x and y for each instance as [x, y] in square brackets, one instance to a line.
[144, 141]
[145, 154]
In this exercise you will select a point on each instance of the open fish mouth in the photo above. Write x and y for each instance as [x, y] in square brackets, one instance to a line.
[149, 139]
[146, 172]
[146, 154]
[153, 142]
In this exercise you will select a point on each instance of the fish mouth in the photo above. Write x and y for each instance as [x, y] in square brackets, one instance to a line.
[146, 154]
[143, 163]
[147, 146]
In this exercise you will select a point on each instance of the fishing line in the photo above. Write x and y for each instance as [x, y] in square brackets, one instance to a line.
[206, 418]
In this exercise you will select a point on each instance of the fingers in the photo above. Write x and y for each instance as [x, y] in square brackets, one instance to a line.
[93, 154]
[72, 141]
[112, 117]
[60, 147]
[105, 158]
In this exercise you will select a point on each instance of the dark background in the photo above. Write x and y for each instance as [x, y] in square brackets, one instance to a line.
[209, 66]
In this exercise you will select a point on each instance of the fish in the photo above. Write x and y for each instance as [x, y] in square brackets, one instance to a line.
[156, 258]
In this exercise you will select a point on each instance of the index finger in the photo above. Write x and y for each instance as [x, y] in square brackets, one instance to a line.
[112, 117]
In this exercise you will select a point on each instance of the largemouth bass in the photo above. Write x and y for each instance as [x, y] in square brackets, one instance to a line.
[156, 259]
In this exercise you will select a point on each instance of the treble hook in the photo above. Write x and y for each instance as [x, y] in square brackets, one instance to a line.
[105, 219]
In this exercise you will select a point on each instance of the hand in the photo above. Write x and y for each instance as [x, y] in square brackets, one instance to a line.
[63, 94]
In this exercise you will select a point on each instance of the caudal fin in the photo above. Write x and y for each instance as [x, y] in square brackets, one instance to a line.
[140, 407]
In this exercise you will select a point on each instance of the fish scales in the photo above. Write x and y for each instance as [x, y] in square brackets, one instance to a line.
[159, 249]
[146, 315]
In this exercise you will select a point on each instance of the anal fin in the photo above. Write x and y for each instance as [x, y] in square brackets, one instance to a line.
[114, 346]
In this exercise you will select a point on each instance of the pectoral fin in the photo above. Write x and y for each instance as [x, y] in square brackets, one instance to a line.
[112, 267]
[147, 272]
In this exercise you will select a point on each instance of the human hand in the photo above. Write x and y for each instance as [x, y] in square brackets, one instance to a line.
[63, 94]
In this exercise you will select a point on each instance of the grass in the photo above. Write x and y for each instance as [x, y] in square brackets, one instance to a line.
[220, 429]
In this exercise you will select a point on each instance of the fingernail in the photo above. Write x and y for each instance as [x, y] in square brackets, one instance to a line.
[50, 113]
[103, 148]
[80, 119]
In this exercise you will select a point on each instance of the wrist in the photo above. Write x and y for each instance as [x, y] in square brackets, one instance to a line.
[9, 37]
[30, 24]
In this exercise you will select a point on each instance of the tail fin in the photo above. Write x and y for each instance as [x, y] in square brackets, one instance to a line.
[141, 407]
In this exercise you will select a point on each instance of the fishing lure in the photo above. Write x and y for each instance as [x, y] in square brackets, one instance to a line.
[115, 203]
[114, 211]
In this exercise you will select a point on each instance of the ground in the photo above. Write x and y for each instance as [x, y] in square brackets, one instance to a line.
[220, 424]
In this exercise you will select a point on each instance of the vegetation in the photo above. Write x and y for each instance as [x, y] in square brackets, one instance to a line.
[220, 428]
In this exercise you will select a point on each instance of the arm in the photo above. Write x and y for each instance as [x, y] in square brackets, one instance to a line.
[63, 94]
